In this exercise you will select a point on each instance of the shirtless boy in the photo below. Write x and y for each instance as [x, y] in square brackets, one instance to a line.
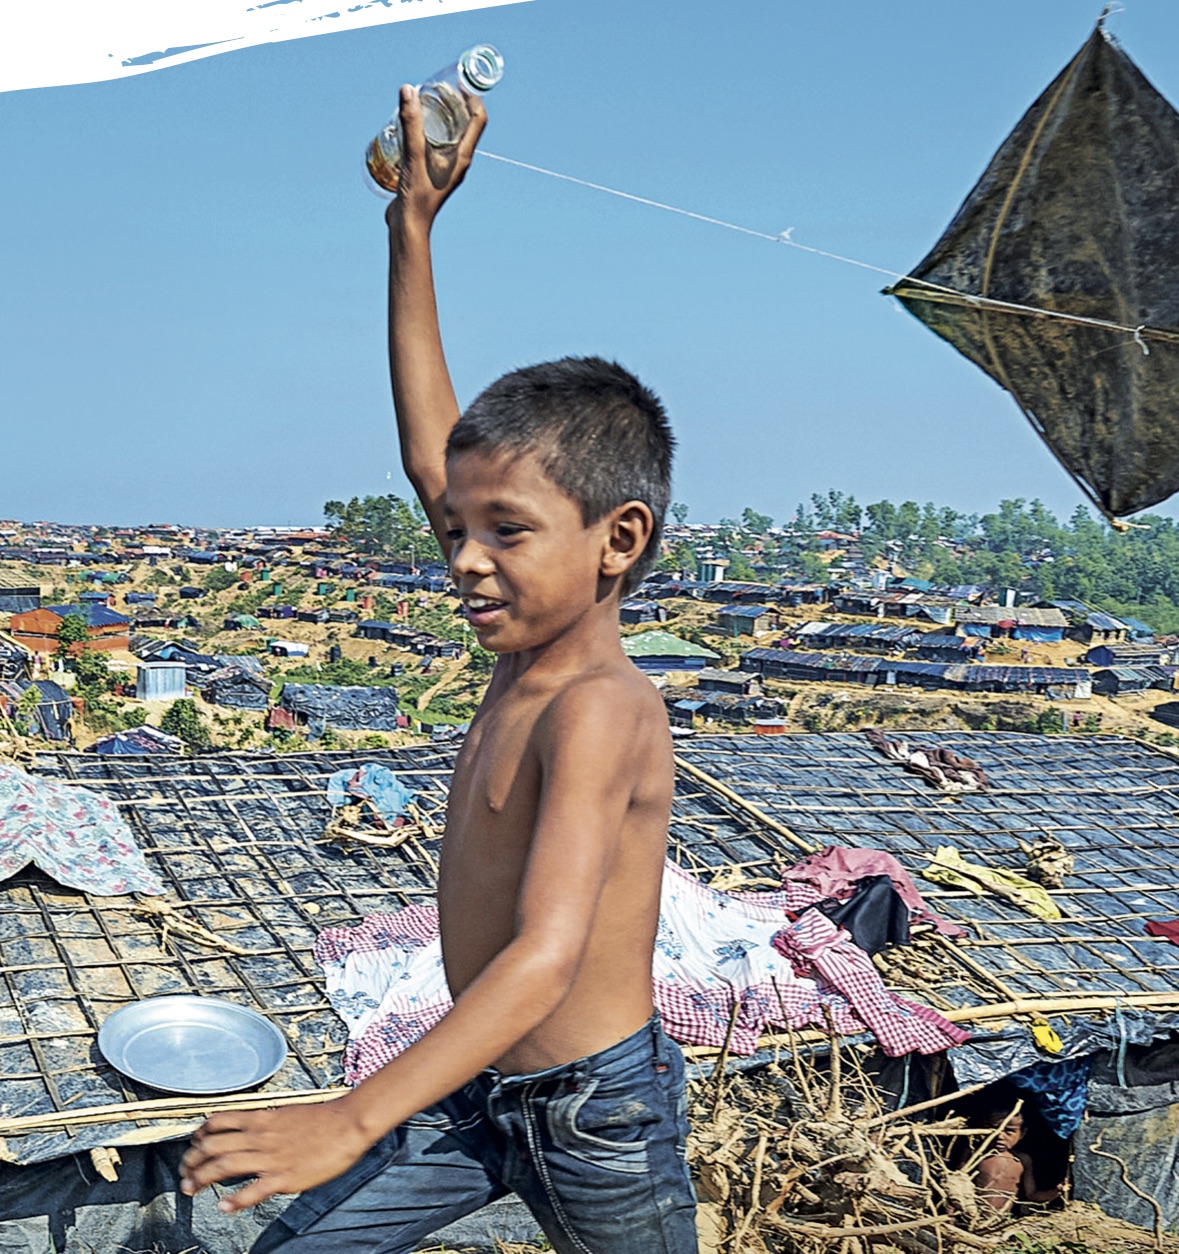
[550, 1077]
[1006, 1175]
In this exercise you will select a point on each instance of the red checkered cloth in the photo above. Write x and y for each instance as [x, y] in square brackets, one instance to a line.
[818, 947]
[713, 951]
[385, 980]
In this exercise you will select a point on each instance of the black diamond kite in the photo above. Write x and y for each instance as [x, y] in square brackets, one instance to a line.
[1059, 276]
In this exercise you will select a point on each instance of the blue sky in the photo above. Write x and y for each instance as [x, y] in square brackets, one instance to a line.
[192, 308]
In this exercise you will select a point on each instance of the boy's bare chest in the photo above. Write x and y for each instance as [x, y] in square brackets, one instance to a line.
[496, 782]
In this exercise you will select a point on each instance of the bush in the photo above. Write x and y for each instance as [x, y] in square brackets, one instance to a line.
[1047, 722]
[183, 719]
[218, 579]
[94, 674]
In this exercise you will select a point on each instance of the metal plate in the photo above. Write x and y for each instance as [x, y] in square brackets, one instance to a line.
[192, 1044]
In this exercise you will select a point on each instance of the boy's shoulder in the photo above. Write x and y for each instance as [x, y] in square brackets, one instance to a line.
[612, 718]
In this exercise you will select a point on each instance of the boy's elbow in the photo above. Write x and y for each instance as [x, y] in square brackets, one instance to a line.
[548, 970]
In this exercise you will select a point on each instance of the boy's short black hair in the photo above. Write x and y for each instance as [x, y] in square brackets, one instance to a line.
[601, 436]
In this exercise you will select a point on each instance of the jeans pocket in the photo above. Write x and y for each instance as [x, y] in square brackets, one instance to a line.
[603, 1126]
[462, 1109]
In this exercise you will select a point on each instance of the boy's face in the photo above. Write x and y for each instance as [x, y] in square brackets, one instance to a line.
[1012, 1134]
[526, 566]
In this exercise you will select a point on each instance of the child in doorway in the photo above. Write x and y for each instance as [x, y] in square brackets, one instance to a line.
[551, 1076]
[1006, 1174]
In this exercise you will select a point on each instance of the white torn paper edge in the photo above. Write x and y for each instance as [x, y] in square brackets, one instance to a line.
[49, 43]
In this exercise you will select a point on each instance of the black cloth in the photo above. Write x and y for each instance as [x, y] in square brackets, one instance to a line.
[874, 914]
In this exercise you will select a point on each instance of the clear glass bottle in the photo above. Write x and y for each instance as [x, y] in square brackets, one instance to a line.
[444, 111]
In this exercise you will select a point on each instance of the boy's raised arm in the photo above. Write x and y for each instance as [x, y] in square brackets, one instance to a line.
[423, 395]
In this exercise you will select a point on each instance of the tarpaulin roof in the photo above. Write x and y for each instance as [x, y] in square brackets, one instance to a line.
[662, 644]
[1077, 215]
[52, 712]
[343, 706]
[95, 615]
[137, 742]
[238, 840]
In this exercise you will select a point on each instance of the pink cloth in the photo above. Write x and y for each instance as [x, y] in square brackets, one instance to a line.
[818, 947]
[834, 871]
[712, 950]
[1168, 929]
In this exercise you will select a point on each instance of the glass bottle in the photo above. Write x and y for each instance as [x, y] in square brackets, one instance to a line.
[444, 111]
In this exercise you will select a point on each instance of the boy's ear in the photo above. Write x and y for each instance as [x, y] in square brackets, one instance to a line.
[630, 528]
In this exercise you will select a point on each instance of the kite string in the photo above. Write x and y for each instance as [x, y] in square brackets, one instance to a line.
[783, 237]
[1137, 333]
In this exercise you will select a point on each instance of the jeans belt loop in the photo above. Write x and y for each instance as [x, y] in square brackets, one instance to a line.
[659, 1044]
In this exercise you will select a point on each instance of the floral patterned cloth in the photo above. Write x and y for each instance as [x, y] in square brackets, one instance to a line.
[72, 834]
[713, 950]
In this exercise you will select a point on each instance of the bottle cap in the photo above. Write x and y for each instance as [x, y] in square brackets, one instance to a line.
[482, 67]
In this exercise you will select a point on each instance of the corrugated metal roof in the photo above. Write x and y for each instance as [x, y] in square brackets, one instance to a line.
[1105, 622]
[1024, 616]
[662, 644]
[744, 611]
[95, 615]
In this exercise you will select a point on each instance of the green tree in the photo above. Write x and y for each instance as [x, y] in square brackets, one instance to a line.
[754, 522]
[183, 719]
[679, 511]
[73, 630]
[811, 567]
[24, 716]
[882, 520]
[94, 673]
[740, 567]
[382, 526]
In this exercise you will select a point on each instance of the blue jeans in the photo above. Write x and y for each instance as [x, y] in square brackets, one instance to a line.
[594, 1149]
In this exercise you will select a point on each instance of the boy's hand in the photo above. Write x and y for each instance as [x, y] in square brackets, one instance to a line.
[428, 175]
[288, 1150]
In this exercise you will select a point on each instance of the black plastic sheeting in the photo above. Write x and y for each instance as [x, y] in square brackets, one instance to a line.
[65, 1207]
[1133, 1112]
[346, 707]
[239, 843]
[991, 1056]
[239, 840]
[1077, 213]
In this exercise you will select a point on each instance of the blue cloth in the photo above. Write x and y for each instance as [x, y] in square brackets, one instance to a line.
[375, 783]
[1061, 1090]
[594, 1148]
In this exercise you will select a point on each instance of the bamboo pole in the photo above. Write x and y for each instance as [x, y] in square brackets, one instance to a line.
[755, 812]
[983, 974]
[1061, 1005]
[905, 1111]
[997, 1010]
[177, 1107]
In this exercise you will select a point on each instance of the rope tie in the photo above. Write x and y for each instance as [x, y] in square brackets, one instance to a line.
[950, 295]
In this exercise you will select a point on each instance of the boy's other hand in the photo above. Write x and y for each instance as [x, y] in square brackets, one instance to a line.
[288, 1150]
[429, 175]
